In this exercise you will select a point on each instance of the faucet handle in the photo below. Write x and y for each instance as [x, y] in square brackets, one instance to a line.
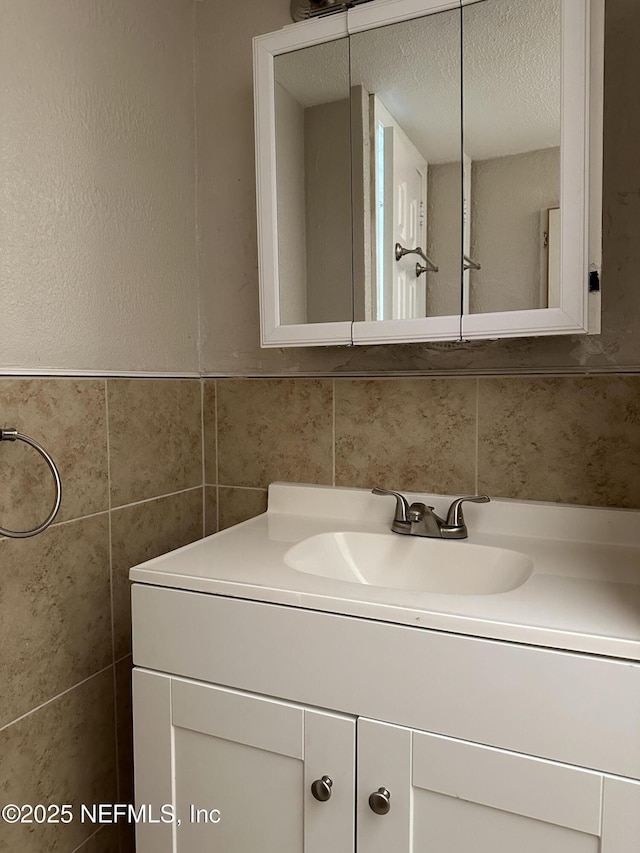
[402, 504]
[455, 517]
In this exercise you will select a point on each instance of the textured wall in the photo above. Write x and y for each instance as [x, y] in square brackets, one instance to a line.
[97, 189]
[508, 196]
[292, 254]
[444, 237]
[227, 233]
[328, 210]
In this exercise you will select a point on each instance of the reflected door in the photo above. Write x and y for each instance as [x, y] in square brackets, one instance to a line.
[401, 204]
[407, 83]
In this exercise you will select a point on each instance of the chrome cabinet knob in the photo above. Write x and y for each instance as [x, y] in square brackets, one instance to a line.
[321, 788]
[380, 801]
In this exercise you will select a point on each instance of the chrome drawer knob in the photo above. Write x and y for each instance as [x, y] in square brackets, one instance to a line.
[380, 801]
[321, 788]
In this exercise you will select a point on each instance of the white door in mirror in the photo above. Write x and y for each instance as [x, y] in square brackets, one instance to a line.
[400, 206]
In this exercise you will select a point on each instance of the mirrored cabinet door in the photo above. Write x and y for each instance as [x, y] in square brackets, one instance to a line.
[512, 100]
[407, 174]
[313, 127]
[526, 135]
[303, 154]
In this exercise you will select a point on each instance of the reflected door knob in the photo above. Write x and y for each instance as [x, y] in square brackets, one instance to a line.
[380, 801]
[321, 788]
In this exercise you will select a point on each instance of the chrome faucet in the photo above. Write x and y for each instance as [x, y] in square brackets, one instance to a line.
[418, 519]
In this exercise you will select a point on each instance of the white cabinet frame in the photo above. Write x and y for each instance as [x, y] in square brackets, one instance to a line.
[581, 186]
[265, 50]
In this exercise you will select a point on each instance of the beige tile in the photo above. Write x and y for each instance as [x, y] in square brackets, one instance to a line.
[141, 532]
[210, 428]
[66, 416]
[106, 840]
[155, 443]
[569, 439]
[274, 429]
[238, 505]
[55, 625]
[411, 434]
[210, 510]
[62, 753]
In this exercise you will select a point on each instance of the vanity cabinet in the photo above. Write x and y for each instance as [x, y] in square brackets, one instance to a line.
[243, 768]
[472, 744]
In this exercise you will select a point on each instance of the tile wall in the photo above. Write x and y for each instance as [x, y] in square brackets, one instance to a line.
[566, 438]
[134, 456]
[130, 458]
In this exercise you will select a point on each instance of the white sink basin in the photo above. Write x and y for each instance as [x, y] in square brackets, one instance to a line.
[409, 562]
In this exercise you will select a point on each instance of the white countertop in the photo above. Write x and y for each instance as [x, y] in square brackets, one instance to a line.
[583, 593]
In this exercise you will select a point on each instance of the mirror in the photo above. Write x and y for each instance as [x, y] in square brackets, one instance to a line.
[313, 168]
[430, 170]
[407, 170]
[511, 142]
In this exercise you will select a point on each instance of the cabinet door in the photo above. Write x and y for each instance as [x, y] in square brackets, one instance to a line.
[238, 770]
[450, 796]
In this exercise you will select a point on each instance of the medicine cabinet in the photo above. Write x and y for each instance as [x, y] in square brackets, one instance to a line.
[430, 171]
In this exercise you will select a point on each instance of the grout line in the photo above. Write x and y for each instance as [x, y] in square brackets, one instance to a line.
[111, 600]
[245, 488]
[79, 518]
[156, 498]
[87, 840]
[333, 435]
[54, 698]
[109, 509]
[202, 454]
[217, 453]
[124, 657]
[477, 435]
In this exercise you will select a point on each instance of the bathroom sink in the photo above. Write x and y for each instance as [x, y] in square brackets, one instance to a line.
[409, 562]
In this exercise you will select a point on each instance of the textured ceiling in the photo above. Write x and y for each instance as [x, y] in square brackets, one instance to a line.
[511, 76]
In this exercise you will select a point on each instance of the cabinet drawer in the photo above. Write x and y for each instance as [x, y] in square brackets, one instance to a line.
[574, 708]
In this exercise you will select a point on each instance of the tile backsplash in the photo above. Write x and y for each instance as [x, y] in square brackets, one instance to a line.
[573, 440]
[274, 429]
[412, 434]
[149, 465]
[564, 438]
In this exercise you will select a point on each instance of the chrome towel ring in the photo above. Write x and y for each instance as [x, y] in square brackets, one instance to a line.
[13, 435]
